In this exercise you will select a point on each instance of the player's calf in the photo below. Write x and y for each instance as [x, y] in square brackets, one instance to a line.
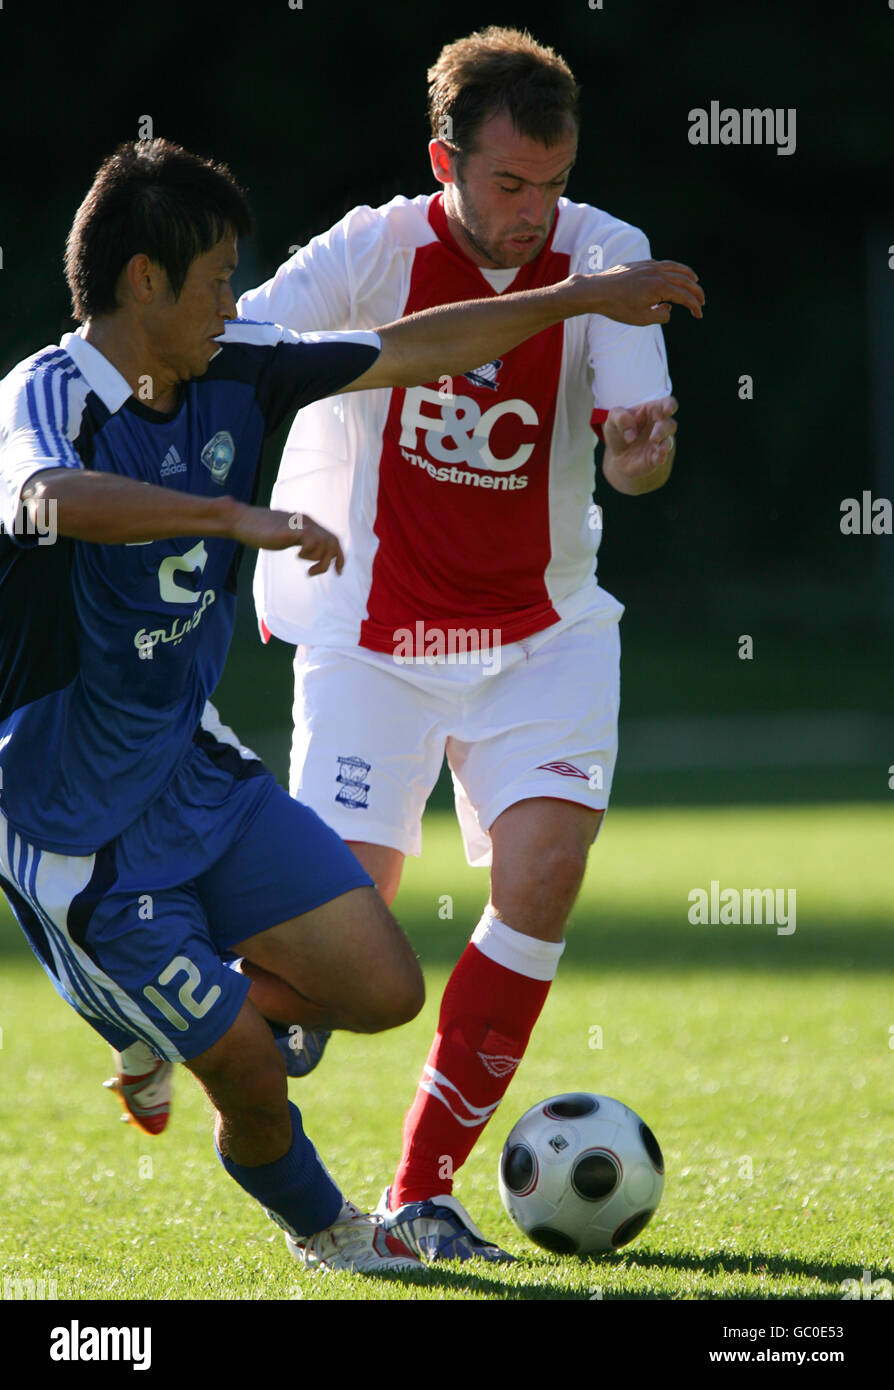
[261, 1143]
[244, 1077]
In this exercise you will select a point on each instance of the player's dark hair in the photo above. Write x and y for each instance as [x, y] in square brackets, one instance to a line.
[500, 70]
[153, 198]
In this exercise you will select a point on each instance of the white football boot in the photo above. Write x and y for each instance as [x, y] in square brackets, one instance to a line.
[357, 1243]
[142, 1082]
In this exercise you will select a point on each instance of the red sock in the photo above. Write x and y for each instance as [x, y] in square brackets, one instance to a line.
[487, 1014]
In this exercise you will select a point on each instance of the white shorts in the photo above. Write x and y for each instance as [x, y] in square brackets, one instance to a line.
[371, 734]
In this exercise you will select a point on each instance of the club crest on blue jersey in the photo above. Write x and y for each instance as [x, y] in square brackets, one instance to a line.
[486, 375]
[218, 455]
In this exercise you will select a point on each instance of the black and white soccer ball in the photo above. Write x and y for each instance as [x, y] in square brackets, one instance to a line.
[581, 1174]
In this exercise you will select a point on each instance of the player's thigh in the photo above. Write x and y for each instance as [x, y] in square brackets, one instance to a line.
[367, 748]
[291, 897]
[348, 955]
[383, 864]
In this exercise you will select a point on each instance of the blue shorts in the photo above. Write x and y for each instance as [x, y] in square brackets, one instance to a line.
[137, 936]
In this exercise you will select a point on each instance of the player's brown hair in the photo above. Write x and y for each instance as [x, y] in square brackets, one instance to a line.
[496, 70]
[154, 197]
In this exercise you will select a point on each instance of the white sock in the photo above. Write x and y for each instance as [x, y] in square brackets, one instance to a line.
[526, 955]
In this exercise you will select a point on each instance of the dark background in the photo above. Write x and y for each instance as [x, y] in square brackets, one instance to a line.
[318, 109]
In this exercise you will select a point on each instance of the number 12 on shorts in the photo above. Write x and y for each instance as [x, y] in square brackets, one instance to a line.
[182, 965]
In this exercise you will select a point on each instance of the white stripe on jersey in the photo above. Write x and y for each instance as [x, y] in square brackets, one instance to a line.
[212, 724]
[256, 333]
[41, 404]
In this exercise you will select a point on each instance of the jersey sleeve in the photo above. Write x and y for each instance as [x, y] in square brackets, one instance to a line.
[321, 286]
[290, 370]
[629, 364]
[34, 434]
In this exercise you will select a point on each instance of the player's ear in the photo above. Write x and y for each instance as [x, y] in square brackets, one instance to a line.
[138, 280]
[442, 158]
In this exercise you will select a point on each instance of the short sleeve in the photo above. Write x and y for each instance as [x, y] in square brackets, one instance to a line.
[319, 287]
[629, 364]
[34, 433]
[298, 368]
[308, 291]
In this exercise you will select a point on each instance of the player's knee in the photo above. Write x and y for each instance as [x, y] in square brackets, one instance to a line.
[398, 998]
[559, 868]
[408, 994]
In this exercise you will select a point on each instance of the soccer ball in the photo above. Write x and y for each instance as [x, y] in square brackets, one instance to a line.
[581, 1174]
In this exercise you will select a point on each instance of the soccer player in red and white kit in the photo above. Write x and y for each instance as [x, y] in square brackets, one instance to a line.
[468, 620]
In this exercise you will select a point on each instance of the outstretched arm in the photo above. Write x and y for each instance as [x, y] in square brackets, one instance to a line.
[455, 337]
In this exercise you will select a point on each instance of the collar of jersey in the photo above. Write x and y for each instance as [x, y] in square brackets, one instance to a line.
[527, 274]
[98, 372]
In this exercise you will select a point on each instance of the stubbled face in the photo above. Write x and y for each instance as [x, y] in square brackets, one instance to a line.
[506, 200]
[182, 330]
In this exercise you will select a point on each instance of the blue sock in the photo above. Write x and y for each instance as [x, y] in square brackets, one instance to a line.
[295, 1190]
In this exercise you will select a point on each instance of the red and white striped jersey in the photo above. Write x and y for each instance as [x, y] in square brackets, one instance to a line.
[467, 502]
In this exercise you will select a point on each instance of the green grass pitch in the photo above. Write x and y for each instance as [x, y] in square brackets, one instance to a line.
[763, 1062]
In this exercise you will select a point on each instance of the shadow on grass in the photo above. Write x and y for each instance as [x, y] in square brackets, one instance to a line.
[755, 1263]
[648, 942]
[460, 1281]
[709, 1266]
[653, 943]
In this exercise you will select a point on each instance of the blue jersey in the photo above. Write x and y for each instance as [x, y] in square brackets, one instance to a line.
[109, 652]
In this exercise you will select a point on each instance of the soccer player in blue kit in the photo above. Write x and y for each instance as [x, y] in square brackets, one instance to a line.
[142, 849]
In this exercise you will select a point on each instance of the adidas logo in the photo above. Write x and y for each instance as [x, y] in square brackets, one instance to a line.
[171, 463]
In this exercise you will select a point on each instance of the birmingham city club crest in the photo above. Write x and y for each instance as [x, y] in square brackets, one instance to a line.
[486, 375]
[352, 786]
[218, 455]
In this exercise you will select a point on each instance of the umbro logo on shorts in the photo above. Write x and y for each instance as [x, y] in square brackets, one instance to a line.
[563, 769]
